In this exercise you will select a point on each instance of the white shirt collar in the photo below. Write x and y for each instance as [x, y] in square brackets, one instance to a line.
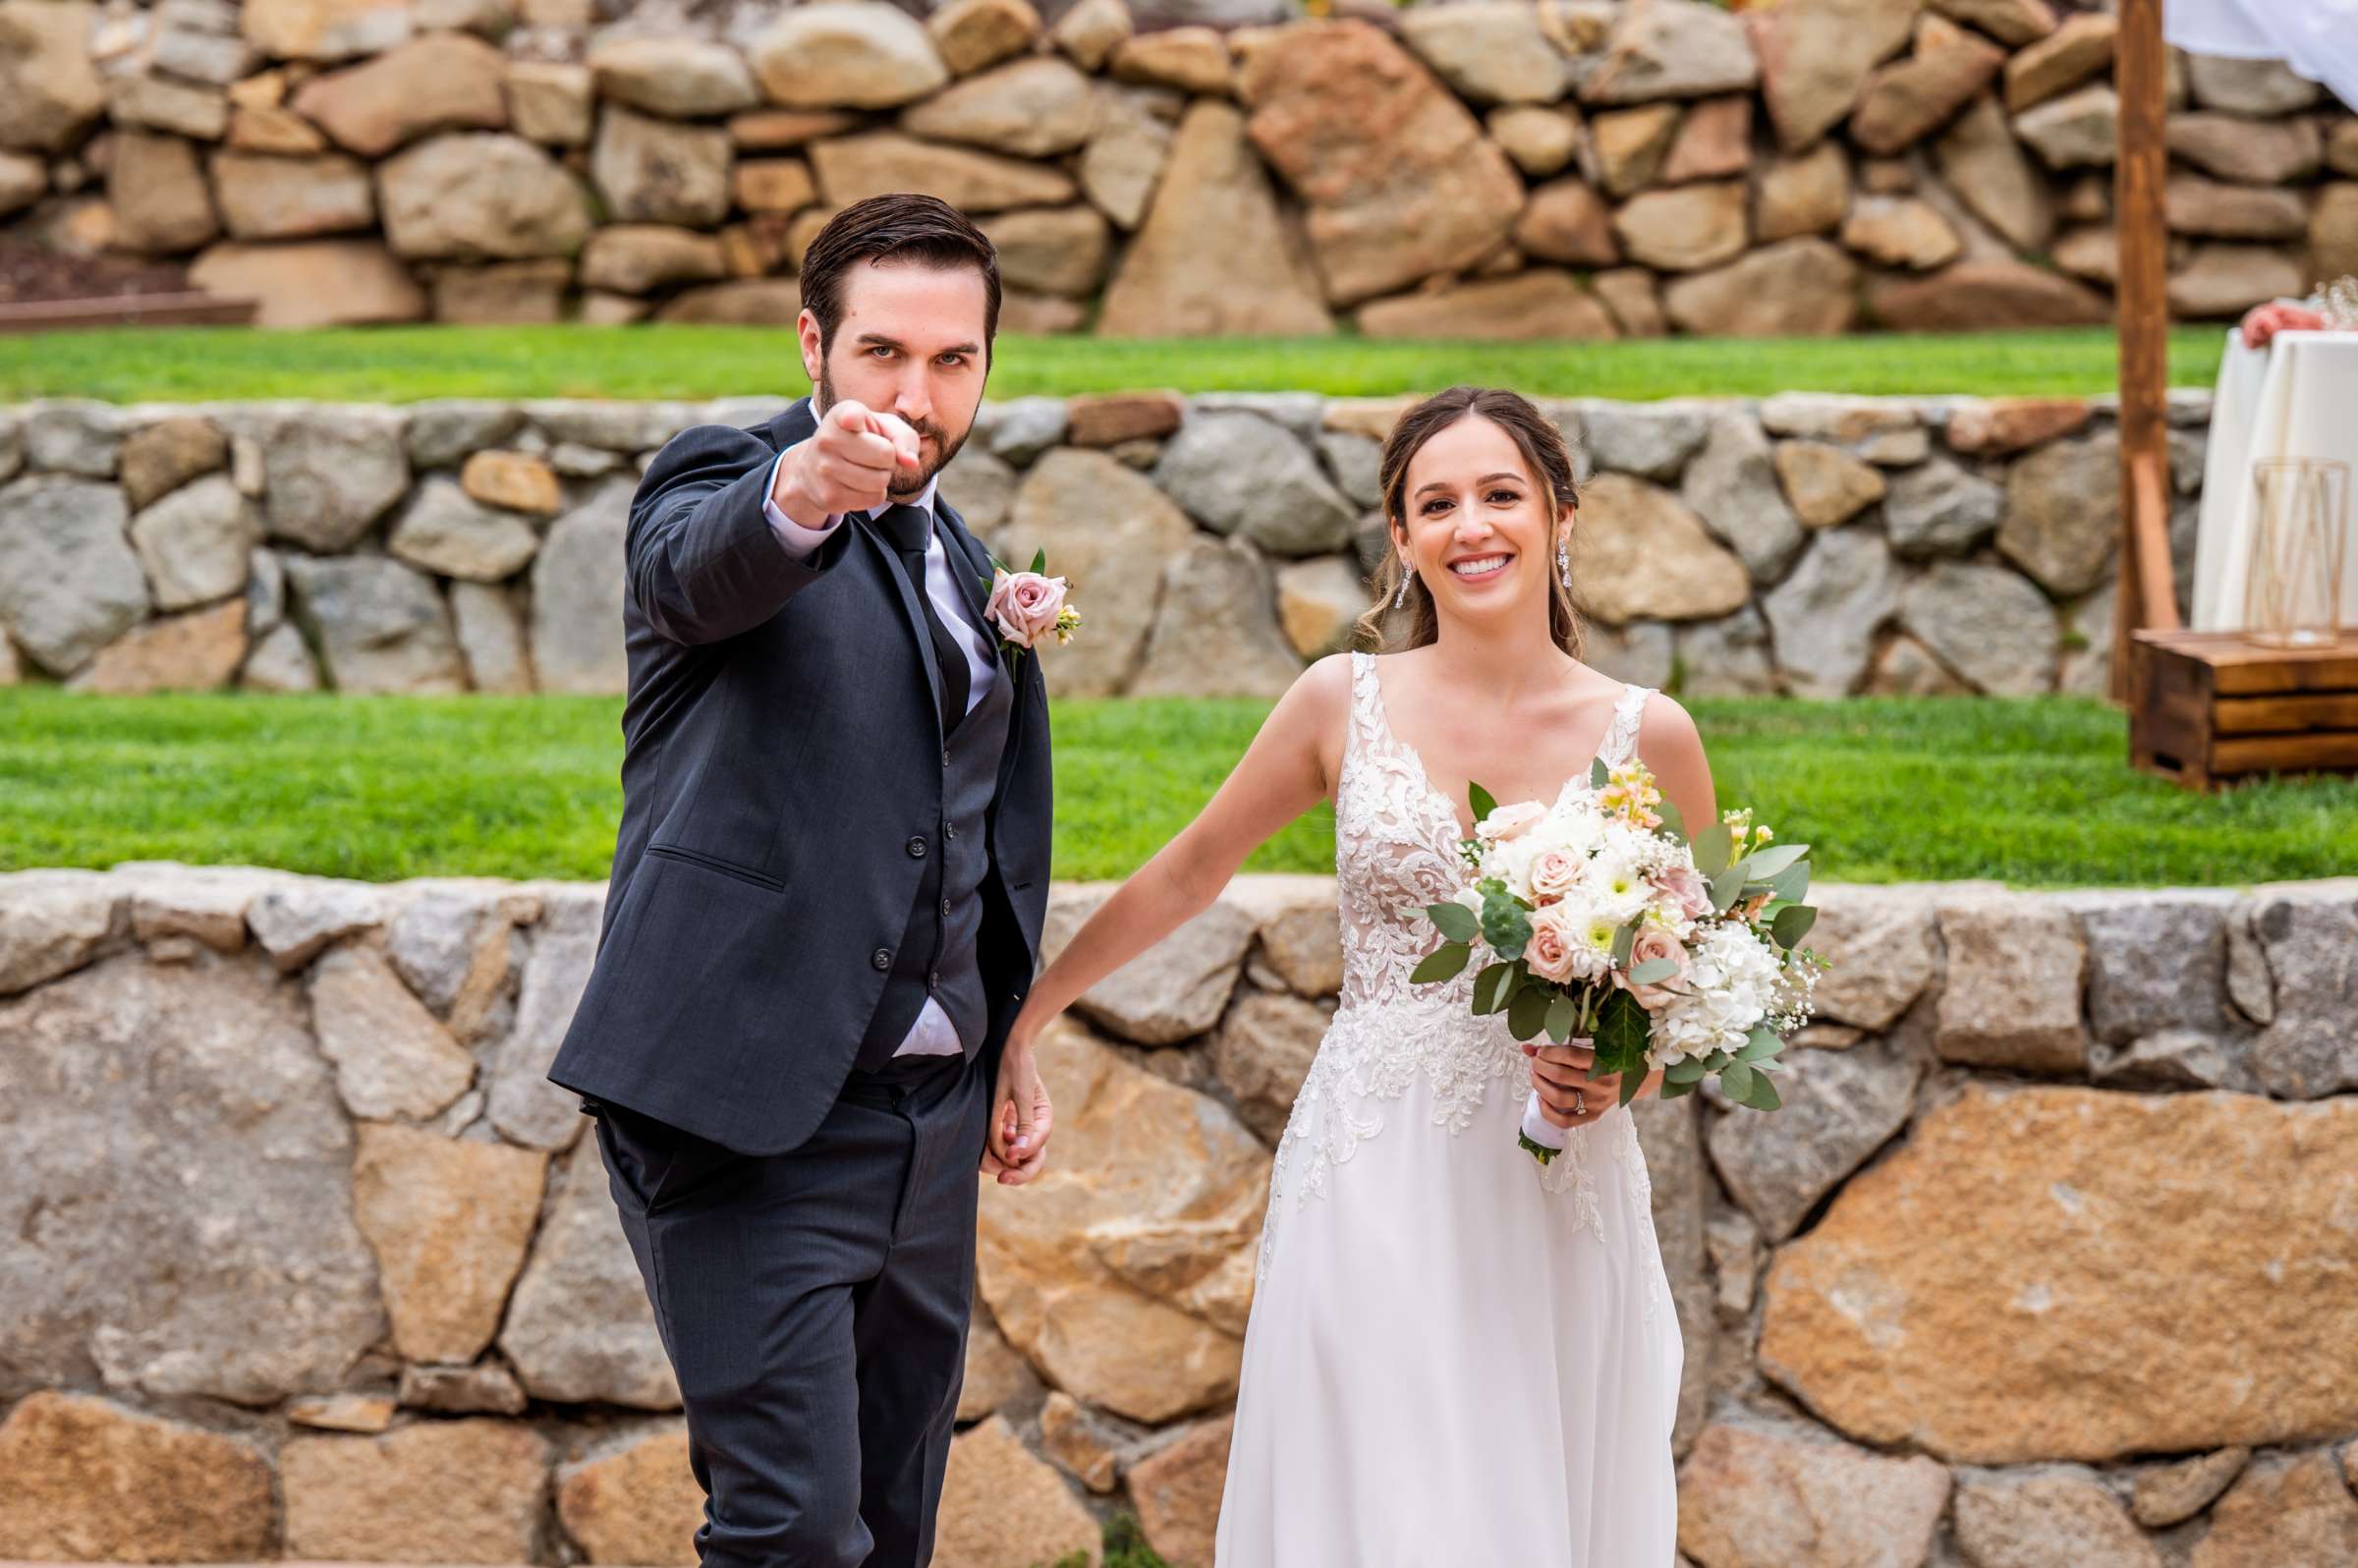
[923, 499]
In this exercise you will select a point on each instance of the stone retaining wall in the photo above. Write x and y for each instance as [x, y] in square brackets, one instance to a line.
[1567, 169]
[2044, 1262]
[1807, 543]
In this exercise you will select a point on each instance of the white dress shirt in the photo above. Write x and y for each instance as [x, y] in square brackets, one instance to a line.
[932, 1035]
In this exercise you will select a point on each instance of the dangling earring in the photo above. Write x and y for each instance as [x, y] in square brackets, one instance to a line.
[1563, 557]
[1401, 598]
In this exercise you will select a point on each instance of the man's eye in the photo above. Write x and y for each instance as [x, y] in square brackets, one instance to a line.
[880, 352]
[953, 358]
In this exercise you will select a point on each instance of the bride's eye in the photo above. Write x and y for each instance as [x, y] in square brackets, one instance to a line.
[1436, 504]
[1505, 497]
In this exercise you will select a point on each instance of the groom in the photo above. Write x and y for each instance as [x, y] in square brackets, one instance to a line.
[826, 901]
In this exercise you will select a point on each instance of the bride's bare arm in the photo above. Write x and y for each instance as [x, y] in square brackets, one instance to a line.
[1669, 745]
[1283, 773]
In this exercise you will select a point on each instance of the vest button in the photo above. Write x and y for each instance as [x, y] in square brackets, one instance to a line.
[881, 958]
[916, 848]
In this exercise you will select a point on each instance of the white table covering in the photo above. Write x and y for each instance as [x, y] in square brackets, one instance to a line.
[2298, 397]
[2317, 38]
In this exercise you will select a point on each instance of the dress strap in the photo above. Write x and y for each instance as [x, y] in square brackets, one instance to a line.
[1621, 737]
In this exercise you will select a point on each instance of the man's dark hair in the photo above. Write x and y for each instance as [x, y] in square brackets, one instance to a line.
[900, 227]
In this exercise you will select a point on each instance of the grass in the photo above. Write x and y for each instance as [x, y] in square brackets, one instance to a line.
[400, 365]
[2035, 793]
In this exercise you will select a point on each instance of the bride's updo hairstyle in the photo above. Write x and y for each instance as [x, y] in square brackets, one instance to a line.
[1544, 455]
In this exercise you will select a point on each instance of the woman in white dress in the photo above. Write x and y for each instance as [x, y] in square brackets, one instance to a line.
[1455, 1356]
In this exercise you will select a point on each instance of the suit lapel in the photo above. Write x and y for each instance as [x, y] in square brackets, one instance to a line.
[974, 578]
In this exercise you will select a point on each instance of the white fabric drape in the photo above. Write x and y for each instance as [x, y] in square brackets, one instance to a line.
[2291, 399]
[2317, 38]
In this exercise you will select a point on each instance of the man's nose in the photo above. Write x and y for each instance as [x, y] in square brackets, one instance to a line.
[913, 396]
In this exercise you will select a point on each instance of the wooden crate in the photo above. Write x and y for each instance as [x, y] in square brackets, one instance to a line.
[2207, 707]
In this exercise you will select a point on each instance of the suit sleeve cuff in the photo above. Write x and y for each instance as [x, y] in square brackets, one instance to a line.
[799, 542]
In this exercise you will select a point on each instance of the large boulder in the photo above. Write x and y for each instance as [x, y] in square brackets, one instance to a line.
[90, 1477]
[635, 1497]
[660, 171]
[1214, 256]
[1097, 1271]
[439, 82]
[1218, 598]
[1839, 1109]
[2311, 945]
[1826, 612]
[446, 531]
[194, 651]
[325, 30]
[1988, 624]
[317, 283]
[1975, 295]
[2053, 1327]
[1542, 304]
[481, 195]
[1400, 182]
[579, 1326]
[156, 187]
[329, 471]
[452, 1491]
[1034, 108]
[678, 77]
[449, 1220]
[51, 92]
[265, 198]
[1238, 473]
[1981, 161]
[879, 162]
[1640, 554]
[1096, 517]
[1671, 49]
[1491, 51]
[1000, 1505]
[577, 596]
[1732, 485]
[223, 1160]
[380, 625]
[1755, 1495]
[834, 55]
[1798, 288]
[1910, 98]
[70, 583]
[1815, 57]
[2063, 521]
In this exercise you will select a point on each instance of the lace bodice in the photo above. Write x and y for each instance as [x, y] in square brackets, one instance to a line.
[1396, 846]
[1395, 851]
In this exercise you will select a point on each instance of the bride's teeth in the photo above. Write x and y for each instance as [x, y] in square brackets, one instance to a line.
[1479, 568]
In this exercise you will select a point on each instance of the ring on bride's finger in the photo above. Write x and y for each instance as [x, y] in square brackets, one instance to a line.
[1579, 1107]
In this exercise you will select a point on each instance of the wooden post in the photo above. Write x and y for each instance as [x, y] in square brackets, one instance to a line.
[2146, 596]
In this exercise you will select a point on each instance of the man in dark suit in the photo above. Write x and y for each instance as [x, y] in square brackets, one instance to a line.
[828, 896]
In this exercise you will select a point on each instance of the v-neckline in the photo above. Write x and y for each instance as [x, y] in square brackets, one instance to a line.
[1415, 758]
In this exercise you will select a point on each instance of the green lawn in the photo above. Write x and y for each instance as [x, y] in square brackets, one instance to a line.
[2033, 791]
[404, 364]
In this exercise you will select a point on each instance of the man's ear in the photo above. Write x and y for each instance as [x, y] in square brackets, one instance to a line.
[814, 353]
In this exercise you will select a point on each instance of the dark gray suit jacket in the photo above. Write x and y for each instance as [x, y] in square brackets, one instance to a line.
[782, 746]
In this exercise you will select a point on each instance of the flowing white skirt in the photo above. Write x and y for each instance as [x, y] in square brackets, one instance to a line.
[1448, 1363]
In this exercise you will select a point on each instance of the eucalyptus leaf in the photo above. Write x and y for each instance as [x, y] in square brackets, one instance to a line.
[1686, 1070]
[1624, 939]
[1726, 888]
[1762, 1043]
[1490, 987]
[1672, 1090]
[1456, 921]
[1652, 972]
[1446, 961]
[1764, 1095]
[1563, 1013]
[1599, 774]
[1774, 859]
[1791, 883]
[1505, 924]
[1526, 1014]
[1737, 1078]
[1674, 822]
[1792, 925]
[1712, 847]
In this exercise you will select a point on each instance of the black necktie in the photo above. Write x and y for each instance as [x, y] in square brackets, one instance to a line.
[909, 528]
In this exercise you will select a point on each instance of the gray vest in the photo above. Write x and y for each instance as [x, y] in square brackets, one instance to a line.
[937, 955]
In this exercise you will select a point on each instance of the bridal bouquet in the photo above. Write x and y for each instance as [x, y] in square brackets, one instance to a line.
[1602, 918]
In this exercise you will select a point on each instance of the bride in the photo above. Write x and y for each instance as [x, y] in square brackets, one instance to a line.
[1455, 1355]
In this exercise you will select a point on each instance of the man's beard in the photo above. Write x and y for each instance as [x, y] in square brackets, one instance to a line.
[901, 490]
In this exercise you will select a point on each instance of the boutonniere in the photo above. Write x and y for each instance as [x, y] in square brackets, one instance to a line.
[1029, 607]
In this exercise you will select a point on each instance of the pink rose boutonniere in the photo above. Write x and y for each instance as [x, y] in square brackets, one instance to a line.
[1029, 607]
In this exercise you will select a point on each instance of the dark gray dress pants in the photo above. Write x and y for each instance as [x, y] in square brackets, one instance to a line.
[815, 1306]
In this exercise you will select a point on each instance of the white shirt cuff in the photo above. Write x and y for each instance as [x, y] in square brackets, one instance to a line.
[800, 543]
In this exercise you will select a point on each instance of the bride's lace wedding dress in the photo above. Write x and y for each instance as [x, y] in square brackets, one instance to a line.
[1455, 1358]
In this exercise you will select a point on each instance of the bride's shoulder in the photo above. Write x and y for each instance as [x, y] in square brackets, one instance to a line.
[1667, 740]
[1326, 685]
